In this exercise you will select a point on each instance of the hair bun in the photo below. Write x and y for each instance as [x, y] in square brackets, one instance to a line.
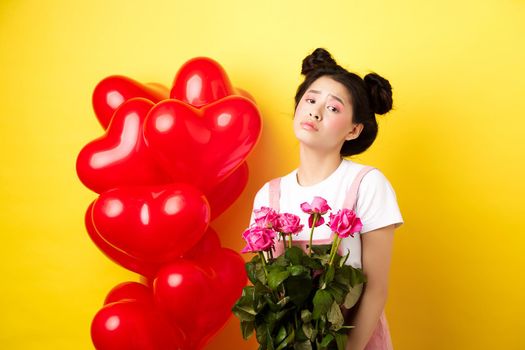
[379, 92]
[320, 57]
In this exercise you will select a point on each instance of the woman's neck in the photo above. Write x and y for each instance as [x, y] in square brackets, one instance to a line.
[316, 166]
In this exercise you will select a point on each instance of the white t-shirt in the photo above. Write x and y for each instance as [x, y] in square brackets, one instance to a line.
[376, 203]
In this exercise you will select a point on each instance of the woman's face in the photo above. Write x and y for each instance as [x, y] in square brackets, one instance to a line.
[323, 117]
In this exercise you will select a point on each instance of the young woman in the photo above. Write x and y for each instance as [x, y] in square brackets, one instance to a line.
[335, 118]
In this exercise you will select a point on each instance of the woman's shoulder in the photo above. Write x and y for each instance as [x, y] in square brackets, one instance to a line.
[263, 193]
[373, 178]
[352, 169]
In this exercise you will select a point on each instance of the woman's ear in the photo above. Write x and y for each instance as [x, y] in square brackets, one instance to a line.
[354, 133]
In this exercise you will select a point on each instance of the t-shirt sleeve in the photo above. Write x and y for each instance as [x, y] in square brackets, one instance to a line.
[377, 202]
[261, 199]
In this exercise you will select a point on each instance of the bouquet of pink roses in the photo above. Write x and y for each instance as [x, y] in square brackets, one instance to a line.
[295, 299]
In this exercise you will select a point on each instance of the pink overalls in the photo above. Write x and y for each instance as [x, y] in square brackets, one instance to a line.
[380, 339]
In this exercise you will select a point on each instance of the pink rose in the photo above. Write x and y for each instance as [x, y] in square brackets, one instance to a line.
[345, 223]
[258, 239]
[265, 217]
[318, 207]
[288, 224]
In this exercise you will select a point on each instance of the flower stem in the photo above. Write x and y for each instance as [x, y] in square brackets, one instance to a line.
[314, 221]
[284, 241]
[263, 262]
[335, 246]
[290, 240]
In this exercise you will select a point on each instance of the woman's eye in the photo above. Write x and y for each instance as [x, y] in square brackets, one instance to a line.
[309, 100]
[333, 109]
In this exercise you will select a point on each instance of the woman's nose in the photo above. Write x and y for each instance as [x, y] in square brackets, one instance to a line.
[315, 115]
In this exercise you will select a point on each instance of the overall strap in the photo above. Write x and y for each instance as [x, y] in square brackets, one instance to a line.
[275, 193]
[351, 196]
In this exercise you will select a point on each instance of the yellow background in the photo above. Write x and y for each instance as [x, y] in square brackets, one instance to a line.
[453, 148]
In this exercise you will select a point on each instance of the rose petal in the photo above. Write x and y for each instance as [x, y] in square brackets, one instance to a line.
[307, 208]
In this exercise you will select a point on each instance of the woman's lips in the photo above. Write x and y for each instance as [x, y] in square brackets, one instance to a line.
[308, 126]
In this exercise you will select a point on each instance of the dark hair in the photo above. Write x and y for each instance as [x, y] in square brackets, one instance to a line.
[369, 96]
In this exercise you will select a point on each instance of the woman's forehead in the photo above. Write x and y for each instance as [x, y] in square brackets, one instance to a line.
[328, 85]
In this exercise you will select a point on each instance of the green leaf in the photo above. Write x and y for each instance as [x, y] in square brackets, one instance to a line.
[260, 275]
[338, 291]
[343, 275]
[353, 296]
[261, 333]
[356, 276]
[322, 249]
[322, 302]
[260, 289]
[247, 328]
[306, 316]
[335, 317]
[275, 278]
[275, 268]
[281, 334]
[298, 288]
[247, 308]
[298, 270]
[281, 303]
[345, 258]
[242, 314]
[279, 315]
[329, 276]
[269, 340]
[308, 329]
[259, 293]
[271, 304]
[324, 259]
[272, 317]
[304, 345]
[288, 340]
[246, 301]
[311, 262]
[322, 322]
[299, 334]
[250, 271]
[281, 261]
[340, 339]
[314, 335]
[326, 340]
[294, 255]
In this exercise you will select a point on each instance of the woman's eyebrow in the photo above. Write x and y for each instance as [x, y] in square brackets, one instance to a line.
[338, 99]
[314, 91]
[335, 97]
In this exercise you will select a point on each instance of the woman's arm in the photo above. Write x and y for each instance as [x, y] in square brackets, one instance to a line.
[376, 253]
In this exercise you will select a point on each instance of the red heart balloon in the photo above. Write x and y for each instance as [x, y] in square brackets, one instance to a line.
[180, 290]
[130, 291]
[198, 294]
[202, 146]
[120, 157]
[128, 262]
[227, 274]
[113, 91]
[200, 81]
[242, 92]
[222, 196]
[131, 324]
[207, 245]
[152, 223]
